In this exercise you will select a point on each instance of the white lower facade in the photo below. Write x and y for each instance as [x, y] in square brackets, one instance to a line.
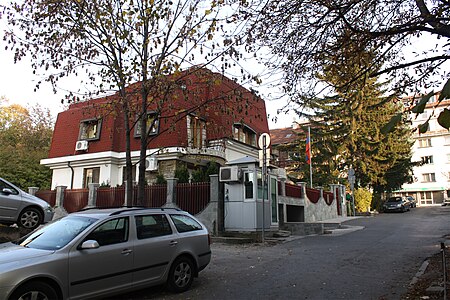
[108, 168]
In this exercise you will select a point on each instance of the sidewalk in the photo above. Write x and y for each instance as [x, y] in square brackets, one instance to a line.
[340, 220]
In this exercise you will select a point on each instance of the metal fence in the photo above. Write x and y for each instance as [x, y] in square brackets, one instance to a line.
[193, 197]
[294, 191]
[313, 195]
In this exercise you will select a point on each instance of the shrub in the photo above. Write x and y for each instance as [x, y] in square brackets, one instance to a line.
[160, 179]
[182, 174]
[363, 199]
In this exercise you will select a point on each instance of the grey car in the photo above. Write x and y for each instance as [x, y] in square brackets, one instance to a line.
[19, 207]
[397, 203]
[100, 252]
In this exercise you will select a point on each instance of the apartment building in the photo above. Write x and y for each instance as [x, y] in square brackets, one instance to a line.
[431, 184]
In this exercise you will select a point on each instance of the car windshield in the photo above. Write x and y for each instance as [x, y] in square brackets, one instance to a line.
[56, 234]
[396, 199]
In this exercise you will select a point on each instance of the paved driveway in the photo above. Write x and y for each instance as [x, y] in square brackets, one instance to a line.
[377, 262]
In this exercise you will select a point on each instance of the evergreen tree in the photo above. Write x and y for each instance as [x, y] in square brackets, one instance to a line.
[346, 128]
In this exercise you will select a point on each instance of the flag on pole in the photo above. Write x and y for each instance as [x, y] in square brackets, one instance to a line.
[308, 149]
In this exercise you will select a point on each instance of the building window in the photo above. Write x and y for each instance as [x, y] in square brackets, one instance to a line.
[244, 134]
[90, 129]
[428, 177]
[196, 132]
[427, 159]
[424, 143]
[152, 125]
[91, 175]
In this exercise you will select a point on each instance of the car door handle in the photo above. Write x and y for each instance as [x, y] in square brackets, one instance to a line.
[173, 243]
[126, 251]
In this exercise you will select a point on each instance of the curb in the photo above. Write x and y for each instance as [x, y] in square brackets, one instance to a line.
[419, 273]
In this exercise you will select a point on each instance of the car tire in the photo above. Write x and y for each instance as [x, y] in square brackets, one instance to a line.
[181, 275]
[35, 290]
[30, 218]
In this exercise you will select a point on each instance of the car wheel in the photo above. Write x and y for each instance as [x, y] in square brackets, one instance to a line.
[35, 290]
[181, 275]
[29, 218]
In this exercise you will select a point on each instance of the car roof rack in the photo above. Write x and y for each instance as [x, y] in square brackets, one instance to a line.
[133, 208]
[128, 208]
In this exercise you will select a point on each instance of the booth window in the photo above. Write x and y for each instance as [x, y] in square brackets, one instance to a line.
[248, 185]
[262, 189]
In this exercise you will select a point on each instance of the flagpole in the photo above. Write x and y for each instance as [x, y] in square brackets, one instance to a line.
[310, 158]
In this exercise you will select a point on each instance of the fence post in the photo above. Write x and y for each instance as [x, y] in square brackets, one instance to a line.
[214, 191]
[32, 190]
[283, 187]
[126, 203]
[171, 192]
[60, 195]
[303, 187]
[92, 196]
[320, 188]
[59, 204]
[444, 268]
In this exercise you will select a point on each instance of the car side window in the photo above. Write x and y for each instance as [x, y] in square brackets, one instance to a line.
[111, 232]
[152, 226]
[4, 185]
[185, 223]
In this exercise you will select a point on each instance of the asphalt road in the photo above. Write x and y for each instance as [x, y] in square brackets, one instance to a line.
[377, 262]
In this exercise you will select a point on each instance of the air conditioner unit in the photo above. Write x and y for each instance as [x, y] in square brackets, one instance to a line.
[81, 145]
[151, 164]
[230, 174]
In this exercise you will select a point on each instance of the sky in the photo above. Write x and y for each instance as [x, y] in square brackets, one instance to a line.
[17, 84]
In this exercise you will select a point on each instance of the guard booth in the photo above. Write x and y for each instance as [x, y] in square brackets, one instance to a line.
[244, 194]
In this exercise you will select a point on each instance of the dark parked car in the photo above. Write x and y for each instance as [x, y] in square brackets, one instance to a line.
[412, 201]
[100, 252]
[396, 203]
[19, 207]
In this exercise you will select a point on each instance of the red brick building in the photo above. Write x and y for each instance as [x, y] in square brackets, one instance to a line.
[198, 116]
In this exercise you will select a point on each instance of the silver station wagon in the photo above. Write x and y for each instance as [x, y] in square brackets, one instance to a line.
[100, 252]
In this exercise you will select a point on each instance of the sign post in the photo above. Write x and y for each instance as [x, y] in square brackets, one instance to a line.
[263, 143]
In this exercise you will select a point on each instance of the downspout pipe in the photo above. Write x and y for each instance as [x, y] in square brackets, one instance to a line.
[73, 174]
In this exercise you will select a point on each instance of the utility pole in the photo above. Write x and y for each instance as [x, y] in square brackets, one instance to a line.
[351, 180]
[264, 159]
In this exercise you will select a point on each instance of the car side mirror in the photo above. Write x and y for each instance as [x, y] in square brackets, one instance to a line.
[89, 244]
[7, 191]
